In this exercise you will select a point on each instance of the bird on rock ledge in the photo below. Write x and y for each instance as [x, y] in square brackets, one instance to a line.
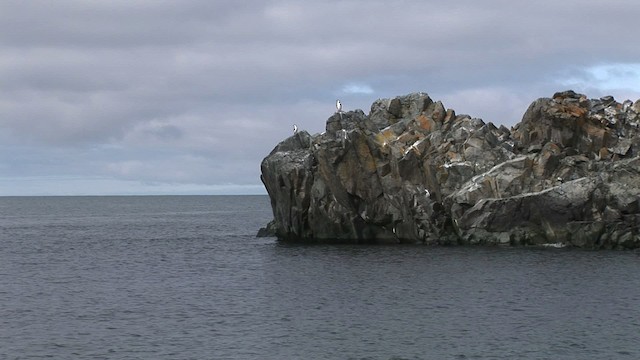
[339, 106]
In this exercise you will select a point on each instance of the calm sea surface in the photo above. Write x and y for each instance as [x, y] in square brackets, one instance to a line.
[185, 278]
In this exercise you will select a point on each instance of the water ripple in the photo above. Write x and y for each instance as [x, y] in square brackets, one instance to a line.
[184, 278]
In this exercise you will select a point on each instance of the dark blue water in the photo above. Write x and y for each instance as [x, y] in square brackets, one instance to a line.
[185, 278]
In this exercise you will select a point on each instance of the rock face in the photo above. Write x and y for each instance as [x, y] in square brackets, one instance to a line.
[413, 171]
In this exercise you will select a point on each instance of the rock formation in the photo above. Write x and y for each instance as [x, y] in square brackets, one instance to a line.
[413, 171]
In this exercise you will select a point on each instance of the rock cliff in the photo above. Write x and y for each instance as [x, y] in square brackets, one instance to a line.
[413, 171]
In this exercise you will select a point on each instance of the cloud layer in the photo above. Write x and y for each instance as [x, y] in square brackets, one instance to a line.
[108, 97]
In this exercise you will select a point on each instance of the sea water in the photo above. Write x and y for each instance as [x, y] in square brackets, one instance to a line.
[184, 277]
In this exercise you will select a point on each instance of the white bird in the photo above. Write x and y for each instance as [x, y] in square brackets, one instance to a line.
[339, 106]
[295, 128]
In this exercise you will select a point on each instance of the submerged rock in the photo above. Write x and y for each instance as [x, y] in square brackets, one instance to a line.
[413, 171]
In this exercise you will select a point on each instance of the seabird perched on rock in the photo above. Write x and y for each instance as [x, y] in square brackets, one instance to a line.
[295, 128]
[395, 234]
[339, 106]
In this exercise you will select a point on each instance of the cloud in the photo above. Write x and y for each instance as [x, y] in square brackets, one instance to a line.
[198, 92]
[354, 88]
[499, 105]
[605, 77]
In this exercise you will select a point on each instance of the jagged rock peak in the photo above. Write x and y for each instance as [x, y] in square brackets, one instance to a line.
[414, 171]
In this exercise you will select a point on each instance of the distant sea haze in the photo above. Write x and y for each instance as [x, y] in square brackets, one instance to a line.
[184, 277]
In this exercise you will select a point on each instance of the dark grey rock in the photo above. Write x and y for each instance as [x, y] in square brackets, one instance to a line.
[268, 231]
[607, 99]
[413, 171]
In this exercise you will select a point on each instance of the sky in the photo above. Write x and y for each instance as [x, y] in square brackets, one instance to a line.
[141, 97]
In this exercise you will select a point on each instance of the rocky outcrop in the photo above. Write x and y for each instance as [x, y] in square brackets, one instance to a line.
[413, 171]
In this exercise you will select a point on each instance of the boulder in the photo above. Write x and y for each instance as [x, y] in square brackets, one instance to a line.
[412, 171]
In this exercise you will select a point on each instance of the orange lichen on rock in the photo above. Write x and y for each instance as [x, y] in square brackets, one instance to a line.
[425, 123]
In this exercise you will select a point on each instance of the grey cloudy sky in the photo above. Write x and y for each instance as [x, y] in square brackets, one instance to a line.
[187, 97]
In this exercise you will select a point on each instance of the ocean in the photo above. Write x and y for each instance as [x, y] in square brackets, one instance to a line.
[184, 277]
